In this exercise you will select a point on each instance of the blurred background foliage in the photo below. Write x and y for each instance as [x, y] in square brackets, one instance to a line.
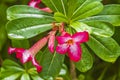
[100, 71]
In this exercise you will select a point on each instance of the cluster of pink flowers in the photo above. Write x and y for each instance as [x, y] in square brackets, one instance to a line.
[67, 43]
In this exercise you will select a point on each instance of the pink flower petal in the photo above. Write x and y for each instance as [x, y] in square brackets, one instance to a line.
[35, 3]
[51, 43]
[74, 52]
[46, 9]
[81, 37]
[62, 39]
[18, 51]
[67, 35]
[13, 50]
[35, 63]
[62, 48]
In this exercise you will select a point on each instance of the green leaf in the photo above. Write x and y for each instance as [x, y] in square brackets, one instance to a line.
[103, 29]
[20, 11]
[11, 70]
[57, 5]
[12, 77]
[8, 62]
[63, 70]
[86, 9]
[86, 62]
[110, 13]
[80, 26]
[36, 77]
[111, 9]
[74, 6]
[64, 73]
[25, 76]
[9, 73]
[60, 17]
[51, 63]
[105, 48]
[20, 43]
[25, 28]
[11, 65]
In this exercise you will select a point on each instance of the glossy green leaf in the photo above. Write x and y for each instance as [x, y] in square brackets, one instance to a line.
[57, 5]
[74, 6]
[25, 76]
[25, 28]
[63, 70]
[105, 48]
[111, 9]
[86, 9]
[20, 11]
[110, 13]
[86, 61]
[36, 77]
[11, 70]
[51, 64]
[12, 77]
[8, 73]
[11, 65]
[100, 28]
[64, 73]
[8, 62]
[80, 26]
[60, 17]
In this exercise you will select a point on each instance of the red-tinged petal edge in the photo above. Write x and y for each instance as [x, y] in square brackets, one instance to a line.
[81, 37]
[35, 63]
[62, 48]
[74, 52]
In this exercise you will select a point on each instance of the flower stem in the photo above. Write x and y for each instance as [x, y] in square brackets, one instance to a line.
[72, 71]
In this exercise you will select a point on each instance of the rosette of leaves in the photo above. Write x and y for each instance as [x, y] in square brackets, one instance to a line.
[91, 15]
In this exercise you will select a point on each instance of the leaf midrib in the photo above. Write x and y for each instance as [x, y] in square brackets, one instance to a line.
[79, 8]
[63, 7]
[29, 27]
[54, 5]
[51, 63]
[101, 44]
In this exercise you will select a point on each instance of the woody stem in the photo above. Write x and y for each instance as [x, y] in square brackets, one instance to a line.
[72, 71]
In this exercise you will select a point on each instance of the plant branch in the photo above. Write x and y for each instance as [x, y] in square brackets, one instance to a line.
[72, 71]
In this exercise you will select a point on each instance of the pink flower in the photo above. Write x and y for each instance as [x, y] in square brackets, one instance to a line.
[35, 3]
[71, 44]
[29, 55]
